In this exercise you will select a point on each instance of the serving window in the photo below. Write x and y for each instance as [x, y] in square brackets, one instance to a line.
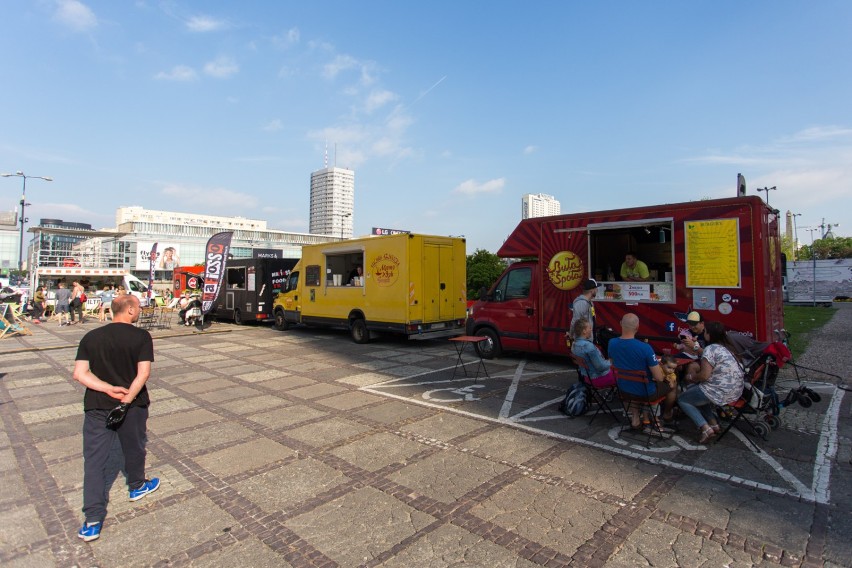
[651, 242]
[345, 268]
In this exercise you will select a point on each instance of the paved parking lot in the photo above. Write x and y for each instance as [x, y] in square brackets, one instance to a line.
[301, 448]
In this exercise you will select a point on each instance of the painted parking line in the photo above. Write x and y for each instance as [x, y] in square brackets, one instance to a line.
[442, 397]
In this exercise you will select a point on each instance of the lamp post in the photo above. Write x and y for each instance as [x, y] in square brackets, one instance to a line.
[796, 236]
[342, 217]
[23, 210]
[767, 190]
[813, 256]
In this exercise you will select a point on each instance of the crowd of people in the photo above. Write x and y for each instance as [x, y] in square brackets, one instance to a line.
[707, 374]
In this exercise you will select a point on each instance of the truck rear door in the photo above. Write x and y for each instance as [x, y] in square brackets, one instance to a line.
[438, 273]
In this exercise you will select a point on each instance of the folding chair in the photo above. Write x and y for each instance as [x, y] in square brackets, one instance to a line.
[649, 402]
[760, 371]
[166, 316]
[599, 396]
[8, 324]
[147, 318]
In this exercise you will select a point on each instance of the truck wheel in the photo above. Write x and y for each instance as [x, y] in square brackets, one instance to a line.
[489, 348]
[280, 322]
[238, 317]
[360, 333]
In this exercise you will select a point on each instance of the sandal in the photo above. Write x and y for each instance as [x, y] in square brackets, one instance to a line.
[707, 433]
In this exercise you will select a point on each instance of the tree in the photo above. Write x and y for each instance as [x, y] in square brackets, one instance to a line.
[483, 269]
[827, 249]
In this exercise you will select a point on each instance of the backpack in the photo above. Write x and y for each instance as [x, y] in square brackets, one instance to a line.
[574, 403]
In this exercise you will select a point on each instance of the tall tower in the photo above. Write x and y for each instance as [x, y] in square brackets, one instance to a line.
[332, 202]
[539, 205]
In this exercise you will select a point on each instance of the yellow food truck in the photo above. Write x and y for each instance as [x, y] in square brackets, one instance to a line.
[407, 284]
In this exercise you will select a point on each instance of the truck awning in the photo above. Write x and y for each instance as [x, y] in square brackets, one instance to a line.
[82, 271]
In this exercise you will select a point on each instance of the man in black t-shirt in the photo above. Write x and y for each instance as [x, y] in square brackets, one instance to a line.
[114, 362]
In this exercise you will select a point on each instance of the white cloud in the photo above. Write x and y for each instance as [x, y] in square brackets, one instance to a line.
[379, 98]
[178, 73]
[75, 15]
[289, 38]
[339, 64]
[214, 198]
[202, 24]
[473, 187]
[530, 150]
[273, 125]
[221, 67]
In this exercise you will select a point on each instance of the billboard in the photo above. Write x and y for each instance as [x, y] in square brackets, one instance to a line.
[168, 256]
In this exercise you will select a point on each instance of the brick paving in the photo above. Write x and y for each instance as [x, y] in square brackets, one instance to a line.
[271, 454]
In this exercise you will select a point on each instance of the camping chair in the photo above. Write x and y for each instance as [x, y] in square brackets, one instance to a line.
[599, 396]
[647, 403]
[92, 306]
[758, 380]
[8, 325]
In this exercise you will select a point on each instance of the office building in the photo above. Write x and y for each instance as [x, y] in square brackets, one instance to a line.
[9, 239]
[332, 202]
[539, 205]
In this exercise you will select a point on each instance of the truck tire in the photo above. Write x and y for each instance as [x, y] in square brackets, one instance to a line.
[280, 321]
[360, 333]
[238, 317]
[490, 348]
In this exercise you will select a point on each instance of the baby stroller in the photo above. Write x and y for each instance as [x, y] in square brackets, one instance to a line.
[760, 397]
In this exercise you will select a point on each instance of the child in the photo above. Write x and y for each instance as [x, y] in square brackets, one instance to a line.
[668, 364]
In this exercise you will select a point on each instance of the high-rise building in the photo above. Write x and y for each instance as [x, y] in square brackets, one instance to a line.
[539, 205]
[332, 202]
[8, 241]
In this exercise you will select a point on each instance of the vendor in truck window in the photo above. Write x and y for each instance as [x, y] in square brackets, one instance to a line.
[633, 269]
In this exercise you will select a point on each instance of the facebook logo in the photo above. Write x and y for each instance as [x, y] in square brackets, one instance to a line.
[670, 326]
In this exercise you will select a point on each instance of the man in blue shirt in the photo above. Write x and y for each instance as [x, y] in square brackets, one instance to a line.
[630, 354]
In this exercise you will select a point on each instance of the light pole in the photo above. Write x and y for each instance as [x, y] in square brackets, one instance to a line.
[796, 236]
[813, 256]
[767, 190]
[23, 210]
[342, 217]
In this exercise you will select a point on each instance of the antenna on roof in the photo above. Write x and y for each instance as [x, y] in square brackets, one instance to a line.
[326, 155]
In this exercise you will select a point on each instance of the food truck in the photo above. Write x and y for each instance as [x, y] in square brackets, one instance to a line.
[249, 288]
[188, 278]
[718, 257]
[409, 284]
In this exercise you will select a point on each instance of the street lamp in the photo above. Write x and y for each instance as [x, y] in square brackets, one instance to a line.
[767, 190]
[813, 256]
[342, 217]
[23, 210]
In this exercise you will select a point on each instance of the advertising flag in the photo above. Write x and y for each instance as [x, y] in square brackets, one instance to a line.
[152, 261]
[215, 258]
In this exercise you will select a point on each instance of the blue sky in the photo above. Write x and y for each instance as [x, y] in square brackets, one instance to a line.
[447, 111]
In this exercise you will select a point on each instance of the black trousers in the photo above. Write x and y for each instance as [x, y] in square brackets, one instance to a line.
[78, 309]
[97, 445]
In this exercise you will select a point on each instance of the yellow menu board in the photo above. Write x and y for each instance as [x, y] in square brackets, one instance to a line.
[712, 253]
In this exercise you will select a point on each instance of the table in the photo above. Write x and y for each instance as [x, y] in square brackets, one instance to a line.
[460, 343]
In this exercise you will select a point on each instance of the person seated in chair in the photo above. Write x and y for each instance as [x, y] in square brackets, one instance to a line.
[599, 369]
[630, 354]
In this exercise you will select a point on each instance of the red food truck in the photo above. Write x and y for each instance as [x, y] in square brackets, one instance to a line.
[720, 257]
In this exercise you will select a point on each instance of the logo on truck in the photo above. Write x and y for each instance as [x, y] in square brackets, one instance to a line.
[385, 269]
[565, 270]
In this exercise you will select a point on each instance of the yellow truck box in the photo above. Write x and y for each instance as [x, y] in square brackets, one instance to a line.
[409, 284]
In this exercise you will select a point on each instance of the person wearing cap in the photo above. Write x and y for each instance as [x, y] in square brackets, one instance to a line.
[583, 308]
[633, 269]
[693, 340]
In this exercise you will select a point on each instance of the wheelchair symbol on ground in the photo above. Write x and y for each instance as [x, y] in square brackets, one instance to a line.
[464, 394]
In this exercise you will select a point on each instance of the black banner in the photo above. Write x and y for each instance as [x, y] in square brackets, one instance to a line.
[152, 259]
[215, 257]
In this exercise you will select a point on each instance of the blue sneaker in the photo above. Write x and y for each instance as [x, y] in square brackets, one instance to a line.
[90, 531]
[148, 487]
